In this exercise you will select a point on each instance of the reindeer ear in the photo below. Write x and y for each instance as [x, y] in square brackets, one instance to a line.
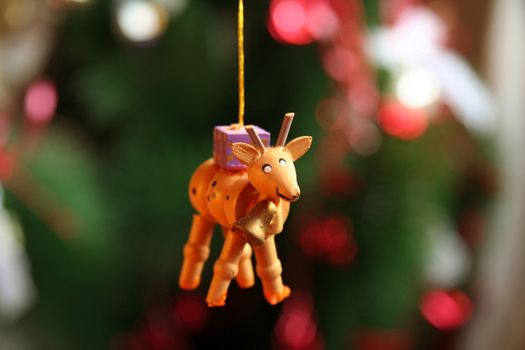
[299, 146]
[245, 153]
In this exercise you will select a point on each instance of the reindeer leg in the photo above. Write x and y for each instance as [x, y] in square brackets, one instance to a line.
[269, 270]
[225, 269]
[196, 252]
[245, 278]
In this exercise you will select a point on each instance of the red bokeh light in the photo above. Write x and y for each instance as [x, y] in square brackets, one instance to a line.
[40, 102]
[329, 239]
[402, 122]
[446, 310]
[191, 312]
[7, 165]
[165, 327]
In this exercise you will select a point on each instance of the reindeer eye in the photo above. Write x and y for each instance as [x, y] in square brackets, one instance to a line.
[267, 168]
[282, 162]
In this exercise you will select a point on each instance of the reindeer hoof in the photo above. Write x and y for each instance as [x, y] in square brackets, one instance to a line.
[276, 298]
[189, 284]
[218, 302]
[245, 283]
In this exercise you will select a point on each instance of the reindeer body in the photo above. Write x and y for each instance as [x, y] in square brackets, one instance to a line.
[257, 199]
[224, 196]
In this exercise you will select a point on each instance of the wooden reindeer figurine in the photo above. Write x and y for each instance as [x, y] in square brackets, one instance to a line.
[251, 206]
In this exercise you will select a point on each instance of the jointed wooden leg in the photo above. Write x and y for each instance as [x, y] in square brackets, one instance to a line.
[245, 278]
[225, 268]
[269, 270]
[196, 252]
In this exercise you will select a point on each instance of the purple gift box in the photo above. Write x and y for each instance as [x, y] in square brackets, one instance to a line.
[223, 138]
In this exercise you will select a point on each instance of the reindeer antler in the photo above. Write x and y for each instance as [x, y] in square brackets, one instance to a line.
[285, 129]
[256, 140]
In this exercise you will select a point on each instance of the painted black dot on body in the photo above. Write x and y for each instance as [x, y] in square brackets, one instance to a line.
[228, 197]
[208, 198]
[193, 191]
[214, 183]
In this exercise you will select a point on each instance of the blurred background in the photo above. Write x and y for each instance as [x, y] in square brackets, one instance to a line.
[409, 231]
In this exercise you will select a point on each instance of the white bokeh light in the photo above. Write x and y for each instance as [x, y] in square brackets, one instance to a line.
[448, 262]
[418, 88]
[140, 20]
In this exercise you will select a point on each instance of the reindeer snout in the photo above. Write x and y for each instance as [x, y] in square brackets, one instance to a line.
[290, 195]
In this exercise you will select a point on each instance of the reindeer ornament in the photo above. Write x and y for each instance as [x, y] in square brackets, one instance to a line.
[251, 205]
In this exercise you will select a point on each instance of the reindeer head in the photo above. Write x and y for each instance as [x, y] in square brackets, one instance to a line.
[271, 170]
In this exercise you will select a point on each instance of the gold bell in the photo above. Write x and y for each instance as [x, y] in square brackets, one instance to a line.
[255, 224]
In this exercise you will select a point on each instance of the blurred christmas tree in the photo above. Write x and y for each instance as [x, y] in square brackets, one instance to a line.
[379, 249]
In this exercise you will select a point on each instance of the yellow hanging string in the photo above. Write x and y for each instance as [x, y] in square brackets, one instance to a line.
[240, 38]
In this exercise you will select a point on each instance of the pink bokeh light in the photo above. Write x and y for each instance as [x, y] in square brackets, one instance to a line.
[300, 22]
[321, 20]
[446, 310]
[40, 102]
[296, 328]
[287, 22]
